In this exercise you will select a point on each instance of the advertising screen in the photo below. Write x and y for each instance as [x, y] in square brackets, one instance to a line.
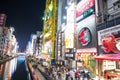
[69, 30]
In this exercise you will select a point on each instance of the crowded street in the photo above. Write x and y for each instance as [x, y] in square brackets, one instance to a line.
[56, 72]
[59, 39]
[29, 69]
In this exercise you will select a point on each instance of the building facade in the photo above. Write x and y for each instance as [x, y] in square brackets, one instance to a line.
[49, 29]
[2, 24]
[108, 34]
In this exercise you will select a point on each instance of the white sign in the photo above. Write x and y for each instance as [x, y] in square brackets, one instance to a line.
[69, 55]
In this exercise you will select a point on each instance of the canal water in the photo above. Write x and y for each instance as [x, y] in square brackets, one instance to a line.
[15, 69]
[21, 72]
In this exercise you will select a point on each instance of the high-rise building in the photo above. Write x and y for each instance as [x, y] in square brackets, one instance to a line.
[2, 24]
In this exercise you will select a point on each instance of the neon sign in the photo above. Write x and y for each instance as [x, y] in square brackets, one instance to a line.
[83, 5]
[85, 14]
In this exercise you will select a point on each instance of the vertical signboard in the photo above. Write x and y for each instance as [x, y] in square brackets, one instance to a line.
[69, 30]
[2, 20]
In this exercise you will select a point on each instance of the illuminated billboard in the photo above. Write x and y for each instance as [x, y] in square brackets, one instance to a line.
[47, 46]
[84, 36]
[86, 31]
[69, 30]
[109, 40]
[70, 18]
[83, 5]
[2, 20]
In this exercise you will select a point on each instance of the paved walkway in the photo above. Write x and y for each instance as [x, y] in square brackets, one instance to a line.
[42, 70]
[40, 75]
[39, 71]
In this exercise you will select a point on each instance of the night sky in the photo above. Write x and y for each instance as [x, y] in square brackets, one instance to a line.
[25, 16]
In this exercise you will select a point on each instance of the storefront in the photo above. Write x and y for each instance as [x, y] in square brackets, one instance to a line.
[86, 35]
[70, 60]
[44, 58]
[110, 65]
[109, 51]
[85, 57]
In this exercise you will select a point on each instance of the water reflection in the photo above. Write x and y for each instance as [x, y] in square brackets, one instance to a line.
[21, 72]
[15, 69]
[9, 69]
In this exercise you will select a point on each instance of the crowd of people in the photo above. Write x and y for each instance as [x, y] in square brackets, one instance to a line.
[65, 73]
[61, 72]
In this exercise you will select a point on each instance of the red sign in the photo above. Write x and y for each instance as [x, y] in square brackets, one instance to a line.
[83, 5]
[111, 44]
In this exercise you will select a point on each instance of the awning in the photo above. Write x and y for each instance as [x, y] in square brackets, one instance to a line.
[114, 57]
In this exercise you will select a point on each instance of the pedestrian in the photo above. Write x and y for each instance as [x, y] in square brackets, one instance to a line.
[55, 75]
[67, 74]
[64, 74]
[72, 74]
[51, 71]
